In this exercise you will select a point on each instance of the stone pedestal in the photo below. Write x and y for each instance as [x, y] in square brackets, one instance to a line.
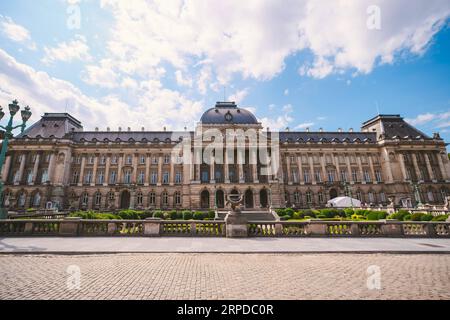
[236, 226]
[152, 227]
[69, 227]
[392, 229]
[316, 228]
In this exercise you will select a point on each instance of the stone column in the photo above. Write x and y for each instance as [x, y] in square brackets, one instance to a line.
[147, 170]
[416, 167]
[311, 169]
[372, 170]
[390, 176]
[172, 173]
[134, 162]
[160, 163]
[5, 170]
[35, 169]
[430, 171]
[335, 161]
[94, 171]
[402, 166]
[51, 168]
[288, 168]
[80, 178]
[324, 169]
[226, 168]
[349, 168]
[119, 169]
[21, 168]
[300, 170]
[361, 172]
[442, 167]
[108, 164]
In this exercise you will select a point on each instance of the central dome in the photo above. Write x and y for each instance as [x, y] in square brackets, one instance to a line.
[228, 113]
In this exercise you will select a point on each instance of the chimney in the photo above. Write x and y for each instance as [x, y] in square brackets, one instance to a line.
[108, 129]
[340, 130]
[96, 129]
[142, 129]
[120, 128]
[128, 129]
[351, 130]
[321, 130]
[307, 129]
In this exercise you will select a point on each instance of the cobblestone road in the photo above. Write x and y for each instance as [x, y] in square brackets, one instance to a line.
[225, 276]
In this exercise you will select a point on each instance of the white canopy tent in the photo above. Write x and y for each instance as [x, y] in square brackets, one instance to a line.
[343, 202]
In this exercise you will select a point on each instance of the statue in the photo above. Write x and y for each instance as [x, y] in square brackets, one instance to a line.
[235, 201]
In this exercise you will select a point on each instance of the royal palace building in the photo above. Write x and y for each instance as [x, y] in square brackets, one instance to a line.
[55, 163]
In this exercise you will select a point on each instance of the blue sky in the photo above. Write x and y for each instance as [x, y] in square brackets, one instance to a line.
[295, 64]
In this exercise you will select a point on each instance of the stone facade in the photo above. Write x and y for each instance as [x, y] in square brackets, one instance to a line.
[56, 163]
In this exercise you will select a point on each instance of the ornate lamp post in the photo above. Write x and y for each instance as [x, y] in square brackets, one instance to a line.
[26, 114]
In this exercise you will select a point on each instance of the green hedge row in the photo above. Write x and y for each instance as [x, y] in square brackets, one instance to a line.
[140, 215]
[357, 214]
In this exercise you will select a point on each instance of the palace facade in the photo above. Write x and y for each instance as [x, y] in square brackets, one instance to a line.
[55, 163]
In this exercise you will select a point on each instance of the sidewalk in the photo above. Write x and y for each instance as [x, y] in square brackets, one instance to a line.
[223, 245]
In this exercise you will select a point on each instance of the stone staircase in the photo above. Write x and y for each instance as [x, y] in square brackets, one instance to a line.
[252, 215]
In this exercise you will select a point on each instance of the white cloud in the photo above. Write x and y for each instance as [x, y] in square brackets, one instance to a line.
[438, 120]
[155, 108]
[238, 96]
[286, 92]
[75, 49]
[16, 32]
[101, 75]
[182, 80]
[304, 125]
[281, 122]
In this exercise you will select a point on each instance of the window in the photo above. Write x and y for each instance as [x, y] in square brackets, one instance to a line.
[127, 177]
[367, 176]
[102, 160]
[443, 194]
[44, 177]
[343, 175]
[154, 178]
[114, 160]
[98, 199]
[430, 196]
[292, 159]
[141, 177]
[354, 175]
[165, 179]
[331, 175]
[378, 175]
[178, 177]
[88, 177]
[152, 198]
[177, 198]
[100, 177]
[47, 158]
[111, 196]
[155, 160]
[359, 195]
[91, 160]
[21, 201]
[408, 174]
[139, 199]
[33, 158]
[30, 176]
[17, 177]
[74, 177]
[166, 158]
[371, 197]
[306, 176]
[297, 198]
[320, 195]
[113, 177]
[37, 200]
[84, 199]
[308, 197]
[129, 159]
[295, 175]
[165, 198]
[318, 175]
[142, 159]
[205, 176]
[382, 197]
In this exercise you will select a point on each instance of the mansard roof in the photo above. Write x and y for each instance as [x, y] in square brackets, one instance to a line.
[393, 126]
[129, 136]
[52, 125]
[328, 137]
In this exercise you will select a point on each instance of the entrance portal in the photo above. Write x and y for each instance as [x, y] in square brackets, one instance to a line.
[263, 198]
[125, 200]
[333, 194]
[204, 199]
[249, 199]
[220, 199]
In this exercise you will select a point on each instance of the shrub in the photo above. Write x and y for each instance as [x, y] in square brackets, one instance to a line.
[407, 217]
[417, 216]
[198, 215]
[373, 215]
[289, 212]
[298, 215]
[426, 217]
[285, 217]
[172, 215]
[129, 214]
[211, 214]
[357, 217]
[280, 212]
[145, 214]
[321, 216]
[179, 215]
[158, 214]
[442, 217]
[382, 215]
[187, 215]
[400, 215]
[349, 212]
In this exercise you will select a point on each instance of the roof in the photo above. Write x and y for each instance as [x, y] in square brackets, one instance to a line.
[228, 113]
[129, 136]
[394, 126]
[350, 137]
[52, 125]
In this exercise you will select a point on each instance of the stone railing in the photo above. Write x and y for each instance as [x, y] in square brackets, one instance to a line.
[40, 214]
[214, 228]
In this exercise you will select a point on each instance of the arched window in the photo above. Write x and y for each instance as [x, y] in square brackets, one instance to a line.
[111, 196]
[36, 199]
[308, 197]
[98, 199]
[139, 199]
[430, 195]
[371, 197]
[297, 198]
[84, 199]
[177, 198]
[320, 196]
[152, 198]
[21, 200]
[165, 198]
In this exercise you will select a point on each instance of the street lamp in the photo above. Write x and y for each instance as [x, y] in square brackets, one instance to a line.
[25, 114]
